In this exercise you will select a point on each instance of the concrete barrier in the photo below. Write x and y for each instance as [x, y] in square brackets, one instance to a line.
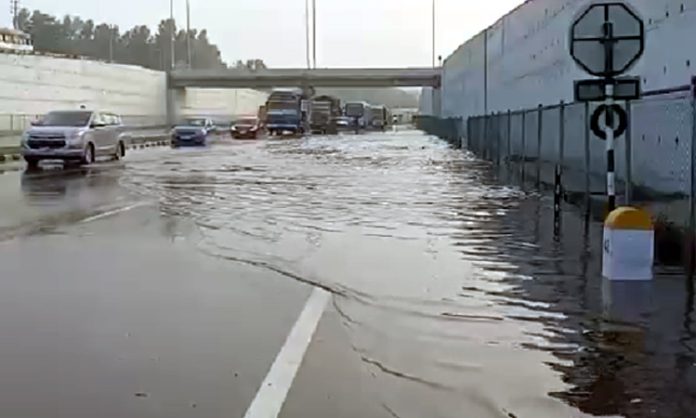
[12, 153]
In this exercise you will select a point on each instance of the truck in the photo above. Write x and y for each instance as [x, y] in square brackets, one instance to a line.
[380, 117]
[360, 113]
[284, 112]
[324, 112]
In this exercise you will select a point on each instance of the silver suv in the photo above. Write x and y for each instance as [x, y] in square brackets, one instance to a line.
[74, 135]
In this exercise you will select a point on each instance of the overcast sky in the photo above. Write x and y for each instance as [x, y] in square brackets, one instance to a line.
[350, 33]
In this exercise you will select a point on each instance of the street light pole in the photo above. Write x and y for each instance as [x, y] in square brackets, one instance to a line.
[172, 37]
[433, 13]
[314, 32]
[111, 43]
[309, 64]
[188, 33]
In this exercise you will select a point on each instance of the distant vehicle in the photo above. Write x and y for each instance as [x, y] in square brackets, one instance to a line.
[15, 40]
[74, 135]
[247, 127]
[380, 117]
[284, 112]
[323, 113]
[344, 123]
[192, 131]
[358, 112]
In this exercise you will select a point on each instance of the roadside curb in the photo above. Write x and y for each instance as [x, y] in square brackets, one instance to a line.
[149, 143]
[6, 158]
[12, 154]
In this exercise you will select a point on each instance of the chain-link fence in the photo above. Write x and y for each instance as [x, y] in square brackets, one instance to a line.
[654, 158]
[449, 128]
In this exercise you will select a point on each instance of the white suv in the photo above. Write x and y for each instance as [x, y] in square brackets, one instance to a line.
[74, 135]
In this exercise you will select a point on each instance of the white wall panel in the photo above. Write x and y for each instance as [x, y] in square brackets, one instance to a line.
[529, 63]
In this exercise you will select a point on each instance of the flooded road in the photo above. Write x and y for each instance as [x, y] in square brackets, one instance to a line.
[451, 296]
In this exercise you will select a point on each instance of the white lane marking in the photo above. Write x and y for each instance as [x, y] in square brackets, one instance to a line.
[112, 212]
[271, 395]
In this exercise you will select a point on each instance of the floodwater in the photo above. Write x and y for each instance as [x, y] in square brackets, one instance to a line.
[451, 284]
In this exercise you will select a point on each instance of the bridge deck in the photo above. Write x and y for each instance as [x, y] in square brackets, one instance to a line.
[333, 77]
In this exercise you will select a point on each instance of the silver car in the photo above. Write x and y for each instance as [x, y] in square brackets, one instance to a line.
[74, 135]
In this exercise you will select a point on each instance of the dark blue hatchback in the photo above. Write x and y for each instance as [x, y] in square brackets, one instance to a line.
[192, 132]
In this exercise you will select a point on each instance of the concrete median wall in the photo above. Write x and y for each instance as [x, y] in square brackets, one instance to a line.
[32, 85]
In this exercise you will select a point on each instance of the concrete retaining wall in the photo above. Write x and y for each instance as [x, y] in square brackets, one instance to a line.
[222, 103]
[528, 61]
[32, 85]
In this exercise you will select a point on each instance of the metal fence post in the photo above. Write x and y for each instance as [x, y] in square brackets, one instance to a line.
[509, 134]
[561, 133]
[558, 172]
[479, 133]
[587, 152]
[498, 134]
[692, 192]
[484, 136]
[628, 176]
[470, 129]
[523, 157]
[540, 112]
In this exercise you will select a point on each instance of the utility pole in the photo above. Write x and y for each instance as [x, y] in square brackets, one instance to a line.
[14, 11]
[433, 12]
[314, 32]
[188, 33]
[111, 43]
[173, 35]
[309, 65]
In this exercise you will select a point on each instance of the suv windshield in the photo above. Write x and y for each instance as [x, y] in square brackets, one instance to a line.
[246, 121]
[72, 118]
[195, 122]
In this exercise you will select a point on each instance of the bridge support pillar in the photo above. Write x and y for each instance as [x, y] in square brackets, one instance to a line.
[176, 98]
[436, 101]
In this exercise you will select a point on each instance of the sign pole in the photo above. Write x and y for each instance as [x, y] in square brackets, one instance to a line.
[611, 161]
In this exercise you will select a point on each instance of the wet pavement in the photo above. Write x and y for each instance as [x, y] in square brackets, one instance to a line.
[165, 286]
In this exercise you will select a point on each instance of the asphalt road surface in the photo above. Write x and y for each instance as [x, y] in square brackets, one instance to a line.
[379, 275]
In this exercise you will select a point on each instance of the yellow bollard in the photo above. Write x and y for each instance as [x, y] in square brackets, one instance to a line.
[628, 245]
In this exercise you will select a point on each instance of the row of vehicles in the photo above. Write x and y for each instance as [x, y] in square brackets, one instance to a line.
[293, 111]
[83, 135]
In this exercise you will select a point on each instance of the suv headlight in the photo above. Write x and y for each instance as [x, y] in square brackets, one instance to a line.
[74, 139]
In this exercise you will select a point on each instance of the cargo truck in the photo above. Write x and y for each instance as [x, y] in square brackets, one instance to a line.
[284, 112]
[324, 112]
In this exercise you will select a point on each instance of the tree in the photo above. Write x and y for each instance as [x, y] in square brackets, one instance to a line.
[137, 46]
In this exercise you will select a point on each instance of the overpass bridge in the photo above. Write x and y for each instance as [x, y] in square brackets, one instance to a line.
[293, 77]
[179, 79]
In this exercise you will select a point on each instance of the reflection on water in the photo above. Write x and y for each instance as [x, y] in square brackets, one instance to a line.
[452, 285]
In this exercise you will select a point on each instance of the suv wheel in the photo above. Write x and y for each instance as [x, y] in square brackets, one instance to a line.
[88, 158]
[120, 151]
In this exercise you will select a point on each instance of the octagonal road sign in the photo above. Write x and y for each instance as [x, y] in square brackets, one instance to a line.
[606, 39]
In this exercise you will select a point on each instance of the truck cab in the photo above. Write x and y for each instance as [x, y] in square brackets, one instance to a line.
[284, 112]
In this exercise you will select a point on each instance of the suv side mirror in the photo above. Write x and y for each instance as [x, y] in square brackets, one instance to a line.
[97, 125]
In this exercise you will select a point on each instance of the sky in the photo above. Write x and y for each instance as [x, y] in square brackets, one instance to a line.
[350, 33]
